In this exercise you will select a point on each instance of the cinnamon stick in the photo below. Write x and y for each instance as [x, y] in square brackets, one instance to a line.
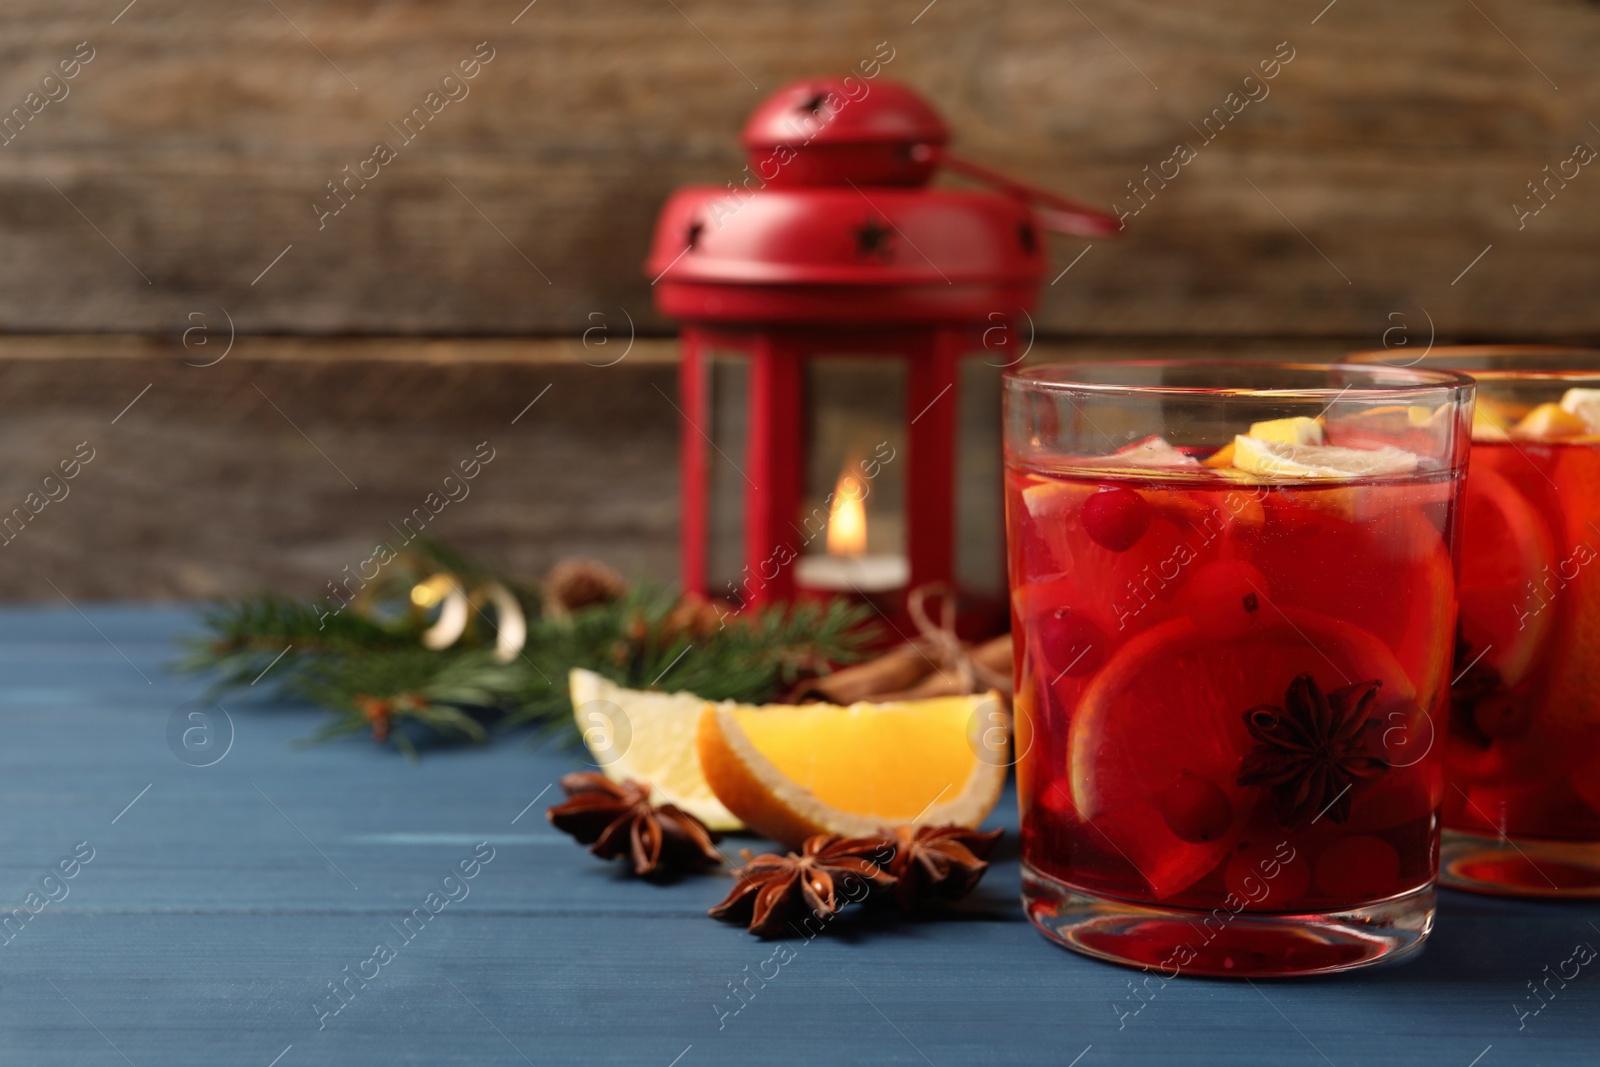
[909, 673]
[937, 684]
[995, 654]
[897, 669]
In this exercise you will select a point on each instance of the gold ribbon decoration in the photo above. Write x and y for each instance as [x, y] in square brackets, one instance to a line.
[456, 607]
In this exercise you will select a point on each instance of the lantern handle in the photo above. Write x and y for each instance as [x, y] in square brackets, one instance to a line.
[1055, 211]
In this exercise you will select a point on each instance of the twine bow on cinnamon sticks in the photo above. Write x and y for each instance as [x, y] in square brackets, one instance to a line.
[934, 663]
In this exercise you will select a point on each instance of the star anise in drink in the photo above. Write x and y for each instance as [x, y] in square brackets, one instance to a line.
[774, 892]
[1477, 683]
[1311, 751]
[939, 862]
[617, 818]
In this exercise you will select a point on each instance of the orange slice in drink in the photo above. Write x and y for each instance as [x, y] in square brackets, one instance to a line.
[1156, 742]
[1505, 546]
[1586, 780]
[1121, 553]
[1573, 703]
[1403, 588]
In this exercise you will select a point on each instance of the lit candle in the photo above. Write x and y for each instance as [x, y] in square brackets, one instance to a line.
[847, 567]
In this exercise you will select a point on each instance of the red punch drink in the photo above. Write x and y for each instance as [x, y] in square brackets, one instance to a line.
[1522, 808]
[1233, 645]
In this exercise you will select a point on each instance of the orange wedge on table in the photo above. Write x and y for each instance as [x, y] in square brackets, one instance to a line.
[793, 771]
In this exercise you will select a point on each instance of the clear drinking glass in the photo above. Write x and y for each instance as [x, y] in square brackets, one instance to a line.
[1233, 597]
[1522, 801]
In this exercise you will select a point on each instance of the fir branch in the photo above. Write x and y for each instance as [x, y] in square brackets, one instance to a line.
[752, 658]
[372, 675]
[249, 636]
[461, 679]
[446, 692]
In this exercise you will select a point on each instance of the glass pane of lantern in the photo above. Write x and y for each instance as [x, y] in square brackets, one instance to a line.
[728, 403]
[853, 506]
[980, 506]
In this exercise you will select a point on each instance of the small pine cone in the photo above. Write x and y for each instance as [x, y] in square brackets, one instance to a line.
[378, 712]
[580, 583]
[694, 616]
[636, 630]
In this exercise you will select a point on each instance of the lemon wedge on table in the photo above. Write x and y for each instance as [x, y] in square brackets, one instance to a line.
[1281, 460]
[793, 771]
[649, 737]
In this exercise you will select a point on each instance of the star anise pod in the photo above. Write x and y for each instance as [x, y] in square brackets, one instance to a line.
[773, 891]
[1311, 751]
[614, 818]
[1475, 682]
[939, 862]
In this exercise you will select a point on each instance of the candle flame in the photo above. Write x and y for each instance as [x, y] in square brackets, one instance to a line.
[847, 517]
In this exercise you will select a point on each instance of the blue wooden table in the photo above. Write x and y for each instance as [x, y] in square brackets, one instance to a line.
[211, 911]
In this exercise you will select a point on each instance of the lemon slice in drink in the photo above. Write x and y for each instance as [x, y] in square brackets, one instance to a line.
[1548, 422]
[1294, 431]
[1584, 403]
[1153, 452]
[1488, 424]
[1279, 459]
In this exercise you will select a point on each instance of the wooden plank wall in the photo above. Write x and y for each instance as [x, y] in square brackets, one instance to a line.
[1384, 171]
[290, 459]
[201, 134]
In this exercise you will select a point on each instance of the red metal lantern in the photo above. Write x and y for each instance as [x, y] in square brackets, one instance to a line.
[833, 275]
